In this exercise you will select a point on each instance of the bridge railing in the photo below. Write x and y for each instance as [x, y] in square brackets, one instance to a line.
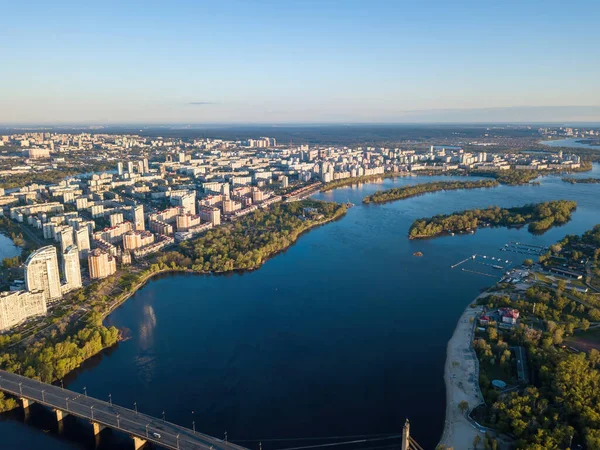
[171, 435]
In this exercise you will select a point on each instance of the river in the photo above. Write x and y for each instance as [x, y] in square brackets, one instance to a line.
[572, 142]
[7, 248]
[345, 333]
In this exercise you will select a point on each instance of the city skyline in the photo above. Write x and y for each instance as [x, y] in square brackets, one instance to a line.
[299, 62]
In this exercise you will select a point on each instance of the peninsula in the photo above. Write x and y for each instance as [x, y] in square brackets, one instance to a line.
[419, 189]
[536, 374]
[539, 216]
[66, 339]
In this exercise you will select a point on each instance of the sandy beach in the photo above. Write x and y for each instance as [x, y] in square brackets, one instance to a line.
[461, 375]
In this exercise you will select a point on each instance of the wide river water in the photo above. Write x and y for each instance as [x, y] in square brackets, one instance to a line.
[345, 333]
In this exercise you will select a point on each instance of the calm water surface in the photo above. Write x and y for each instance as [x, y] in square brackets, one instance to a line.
[7, 248]
[345, 333]
[573, 142]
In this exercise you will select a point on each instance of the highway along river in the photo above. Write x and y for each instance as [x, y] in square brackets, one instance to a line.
[343, 334]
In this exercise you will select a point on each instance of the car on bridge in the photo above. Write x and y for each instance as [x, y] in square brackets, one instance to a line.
[156, 435]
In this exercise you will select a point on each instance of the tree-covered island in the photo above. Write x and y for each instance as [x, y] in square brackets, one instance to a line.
[539, 216]
[581, 180]
[403, 192]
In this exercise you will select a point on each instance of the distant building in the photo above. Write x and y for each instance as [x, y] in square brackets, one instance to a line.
[187, 202]
[82, 241]
[41, 273]
[116, 219]
[137, 239]
[38, 153]
[65, 237]
[101, 264]
[210, 214]
[138, 217]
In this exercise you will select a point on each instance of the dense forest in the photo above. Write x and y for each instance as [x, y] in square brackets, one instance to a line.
[418, 189]
[52, 358]
[540, 217]
[510, 177]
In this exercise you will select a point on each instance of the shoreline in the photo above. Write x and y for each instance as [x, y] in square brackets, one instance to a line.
[147, 275]
[461, 377]
[115, 304]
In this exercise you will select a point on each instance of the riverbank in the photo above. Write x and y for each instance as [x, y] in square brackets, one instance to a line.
[410, 191]
[364, 179]
[256, 238]
[461, 375]
[149, 274]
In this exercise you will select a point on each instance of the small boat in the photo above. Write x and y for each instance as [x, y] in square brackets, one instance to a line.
[417, 254]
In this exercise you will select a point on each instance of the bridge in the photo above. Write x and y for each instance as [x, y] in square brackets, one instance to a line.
[141, 427]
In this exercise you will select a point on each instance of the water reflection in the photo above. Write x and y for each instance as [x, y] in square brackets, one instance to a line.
[147, 327]
[145, 361]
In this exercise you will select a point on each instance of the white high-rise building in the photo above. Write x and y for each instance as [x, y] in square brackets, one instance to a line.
[71, 269]
[82, 241]
[18, 306]
[41, 273]
[138, 217]
[187, 202]
[120, 168]
[65, 237]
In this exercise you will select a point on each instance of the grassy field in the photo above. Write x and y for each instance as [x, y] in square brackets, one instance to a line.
[585, 340]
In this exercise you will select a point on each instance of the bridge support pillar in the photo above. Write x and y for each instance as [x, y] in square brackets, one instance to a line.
[25, 402]
[405, 443]
[97, 428]
[60, 414]
[138, 442]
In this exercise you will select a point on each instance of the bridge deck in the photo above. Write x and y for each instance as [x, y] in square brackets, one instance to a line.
[172, 436]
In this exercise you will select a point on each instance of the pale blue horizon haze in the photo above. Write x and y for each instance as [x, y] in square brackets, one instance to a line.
[302, 61]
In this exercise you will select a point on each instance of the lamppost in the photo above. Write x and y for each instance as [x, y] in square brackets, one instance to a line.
[43, 399]
[21, 388]
[163, 414]
[92, 411]
[135, 407]
[226, 437]
[147, 430]
[62, 385]
[67, 401]
[177, 440]
[118, 421]
[85, 391]
[110, 399]
[193, 423]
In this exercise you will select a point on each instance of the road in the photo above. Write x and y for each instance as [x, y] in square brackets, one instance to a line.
[172, 436]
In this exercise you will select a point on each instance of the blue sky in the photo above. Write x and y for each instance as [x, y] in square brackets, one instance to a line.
[299, 61]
